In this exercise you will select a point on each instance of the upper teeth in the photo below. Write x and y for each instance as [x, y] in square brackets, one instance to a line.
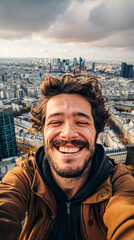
[69, 150]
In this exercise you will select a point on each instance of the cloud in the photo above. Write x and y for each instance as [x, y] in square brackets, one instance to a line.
[123, 40]
[99, 23]
[13, 34]
[113, 16]
[29, 16]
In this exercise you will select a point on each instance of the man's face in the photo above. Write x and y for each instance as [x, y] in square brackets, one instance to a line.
[69, 135]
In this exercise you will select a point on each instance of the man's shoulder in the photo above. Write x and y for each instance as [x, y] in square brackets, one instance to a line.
[122, 180]
[27, 164]
[28, 158]
[118, 215]
[23, 173]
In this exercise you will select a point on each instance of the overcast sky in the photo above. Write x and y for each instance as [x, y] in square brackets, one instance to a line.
[92, 29]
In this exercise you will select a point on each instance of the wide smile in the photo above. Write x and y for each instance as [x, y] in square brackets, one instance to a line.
[68, 150]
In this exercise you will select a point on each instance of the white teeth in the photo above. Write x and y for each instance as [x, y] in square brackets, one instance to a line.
[66, 150]
[69, 150]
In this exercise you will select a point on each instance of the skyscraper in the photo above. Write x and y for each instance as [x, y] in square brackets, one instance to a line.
[129, 71]
[74, 62]
[8, 147]
[80, 60]
[93, 66]
[123, 68]
[81, 63]
[126, 70]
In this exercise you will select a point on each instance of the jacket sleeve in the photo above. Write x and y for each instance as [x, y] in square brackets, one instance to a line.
[119, 214]
[14, 197]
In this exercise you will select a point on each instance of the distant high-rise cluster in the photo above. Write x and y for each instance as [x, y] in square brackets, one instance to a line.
[8, 147]
[126, 70]
[64, 65]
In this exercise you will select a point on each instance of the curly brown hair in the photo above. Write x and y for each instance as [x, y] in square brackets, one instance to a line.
[83, 84]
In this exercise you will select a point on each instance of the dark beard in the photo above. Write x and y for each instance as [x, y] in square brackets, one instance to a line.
[70, 173]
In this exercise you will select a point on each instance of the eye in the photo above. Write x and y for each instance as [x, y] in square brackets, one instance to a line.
[55, 123]
[81, 123]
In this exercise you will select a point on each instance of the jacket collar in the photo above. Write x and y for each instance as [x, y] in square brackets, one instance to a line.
[42, 190]
[103, 192]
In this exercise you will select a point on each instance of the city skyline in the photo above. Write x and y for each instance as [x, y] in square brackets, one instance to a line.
[92, 29]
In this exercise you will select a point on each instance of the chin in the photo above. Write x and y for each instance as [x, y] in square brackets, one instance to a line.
[69, 172]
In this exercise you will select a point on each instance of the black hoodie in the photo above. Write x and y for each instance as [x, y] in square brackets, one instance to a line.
[68, 222]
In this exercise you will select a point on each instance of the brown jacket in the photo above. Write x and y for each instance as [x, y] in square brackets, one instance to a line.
[107, 214]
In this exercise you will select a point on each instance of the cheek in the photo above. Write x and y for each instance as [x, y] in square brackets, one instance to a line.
[89, 135]
[49, 135]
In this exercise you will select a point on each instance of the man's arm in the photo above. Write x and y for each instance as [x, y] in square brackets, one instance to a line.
[14, 197]
[119, 214]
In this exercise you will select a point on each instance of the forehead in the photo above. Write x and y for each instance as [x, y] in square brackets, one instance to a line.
[68, 103]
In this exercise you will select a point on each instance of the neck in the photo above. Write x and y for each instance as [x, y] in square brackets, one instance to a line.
[70, 186]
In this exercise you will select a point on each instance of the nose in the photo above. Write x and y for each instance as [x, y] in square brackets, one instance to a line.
[69, 131]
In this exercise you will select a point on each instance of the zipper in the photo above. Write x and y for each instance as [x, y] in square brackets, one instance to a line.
[68, 204]
[68, 207]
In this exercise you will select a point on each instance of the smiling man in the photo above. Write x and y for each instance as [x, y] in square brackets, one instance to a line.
[70, 189]
[69, 135]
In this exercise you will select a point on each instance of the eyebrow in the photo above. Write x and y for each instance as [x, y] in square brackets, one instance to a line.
[80, 114]
[75, 114]
[55, 115]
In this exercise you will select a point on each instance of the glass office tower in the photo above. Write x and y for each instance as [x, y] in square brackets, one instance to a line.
[8, 147]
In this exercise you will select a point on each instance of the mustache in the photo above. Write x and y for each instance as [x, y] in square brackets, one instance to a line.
[57, 143]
